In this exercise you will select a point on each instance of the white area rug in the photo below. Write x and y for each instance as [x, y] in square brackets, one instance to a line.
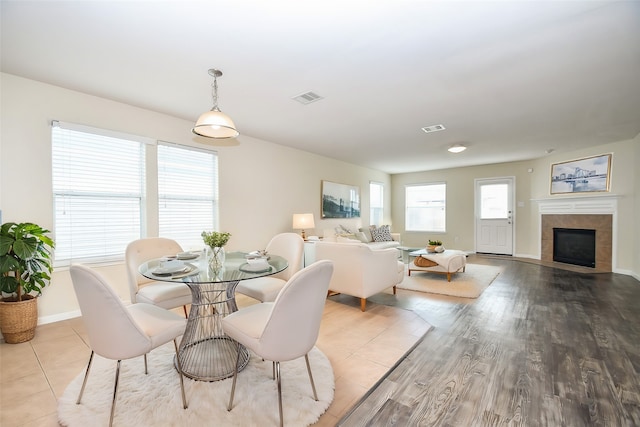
[154, 399]
[468, 284]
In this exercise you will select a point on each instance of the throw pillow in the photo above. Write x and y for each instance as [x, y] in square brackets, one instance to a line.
[362, 237]
[342, 230]
[367, 234]
[381, 234]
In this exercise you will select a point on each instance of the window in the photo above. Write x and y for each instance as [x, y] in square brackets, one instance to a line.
[187, 193]
[494, 201]
[376, 203]
[100, 200]
[425, 207]
[98, 192]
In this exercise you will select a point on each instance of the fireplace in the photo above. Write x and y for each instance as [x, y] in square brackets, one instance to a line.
[602, 224]
[597, 213]
[575, 246]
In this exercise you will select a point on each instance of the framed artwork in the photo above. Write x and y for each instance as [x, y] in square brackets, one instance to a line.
[340, 200]
[580, 176]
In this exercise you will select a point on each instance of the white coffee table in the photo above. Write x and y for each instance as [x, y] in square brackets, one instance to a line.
[448, 262]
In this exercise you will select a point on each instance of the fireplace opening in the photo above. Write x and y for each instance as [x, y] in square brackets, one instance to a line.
[575, 246]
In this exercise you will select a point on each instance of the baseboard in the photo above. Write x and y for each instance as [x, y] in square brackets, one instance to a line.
[58, 317]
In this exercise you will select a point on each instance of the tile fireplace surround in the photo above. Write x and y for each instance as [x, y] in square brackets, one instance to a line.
[591, 213]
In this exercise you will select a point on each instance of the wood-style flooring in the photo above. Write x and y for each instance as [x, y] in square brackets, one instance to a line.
[540, 347]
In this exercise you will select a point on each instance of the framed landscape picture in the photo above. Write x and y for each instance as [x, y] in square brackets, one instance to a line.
[340, 200]
[580, 176]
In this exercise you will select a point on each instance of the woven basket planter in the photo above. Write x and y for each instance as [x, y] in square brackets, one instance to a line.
[18, 319]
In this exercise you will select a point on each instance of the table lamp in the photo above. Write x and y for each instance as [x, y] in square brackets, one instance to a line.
[302, 222]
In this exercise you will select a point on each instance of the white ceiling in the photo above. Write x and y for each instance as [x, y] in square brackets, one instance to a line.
[509, 79]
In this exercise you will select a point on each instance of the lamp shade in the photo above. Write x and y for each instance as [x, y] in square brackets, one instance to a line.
[215, 124]
[303, 221]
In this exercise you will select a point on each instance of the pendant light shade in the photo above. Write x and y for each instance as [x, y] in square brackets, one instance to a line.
[215, 124]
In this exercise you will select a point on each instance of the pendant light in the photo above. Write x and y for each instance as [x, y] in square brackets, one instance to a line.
[215, 124]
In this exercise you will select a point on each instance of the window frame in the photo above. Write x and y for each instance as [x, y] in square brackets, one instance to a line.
[148, 214]
[376, 213]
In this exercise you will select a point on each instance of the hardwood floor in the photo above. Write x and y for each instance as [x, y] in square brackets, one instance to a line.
[540, 347]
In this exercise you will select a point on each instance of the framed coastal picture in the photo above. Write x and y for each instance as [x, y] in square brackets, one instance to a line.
[581, 176]
[340, 200]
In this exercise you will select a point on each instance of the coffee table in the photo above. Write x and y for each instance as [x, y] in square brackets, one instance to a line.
[448, 262]
[405, 252]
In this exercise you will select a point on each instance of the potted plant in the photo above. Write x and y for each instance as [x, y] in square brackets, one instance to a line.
[433, 245]
[25, 268]
[215, 240]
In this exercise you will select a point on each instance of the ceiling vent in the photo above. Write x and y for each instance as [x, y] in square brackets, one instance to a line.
[307, 98]
[433, 128]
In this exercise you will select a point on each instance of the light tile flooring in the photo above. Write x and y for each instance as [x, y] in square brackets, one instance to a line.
[361, 347]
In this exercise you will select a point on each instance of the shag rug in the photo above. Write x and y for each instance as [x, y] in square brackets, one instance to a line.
[155, 400]
[468, 284]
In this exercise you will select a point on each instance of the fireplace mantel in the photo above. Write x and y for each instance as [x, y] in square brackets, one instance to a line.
[578, 205]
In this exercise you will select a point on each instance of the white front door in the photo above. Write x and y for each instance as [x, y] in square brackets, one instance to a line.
[494, 215]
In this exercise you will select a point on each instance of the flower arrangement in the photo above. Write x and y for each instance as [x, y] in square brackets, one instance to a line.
[215, 239]
[435, 242]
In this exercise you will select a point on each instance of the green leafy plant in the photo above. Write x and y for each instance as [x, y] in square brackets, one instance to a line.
[435, 242]
[215, 239]
[25, 259]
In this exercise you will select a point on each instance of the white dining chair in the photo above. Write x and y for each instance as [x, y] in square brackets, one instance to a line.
[167, 295]
[290, 246]
[120, 332]
[285, 329]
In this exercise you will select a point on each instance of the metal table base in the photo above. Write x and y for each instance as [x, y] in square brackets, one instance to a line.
[206, 353]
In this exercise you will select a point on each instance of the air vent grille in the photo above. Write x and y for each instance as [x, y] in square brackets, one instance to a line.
[433, 128]
[307, 98]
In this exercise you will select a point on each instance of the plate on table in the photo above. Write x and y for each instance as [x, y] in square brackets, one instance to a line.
[187, 256]
[255, 268]
[170, 267]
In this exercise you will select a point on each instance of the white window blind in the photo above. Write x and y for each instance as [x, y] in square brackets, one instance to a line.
[98, 191]
[187, 193]
[376, 205]
[425, 207]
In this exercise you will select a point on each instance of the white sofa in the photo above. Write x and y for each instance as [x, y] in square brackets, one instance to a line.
[330, 235]
[359, 270]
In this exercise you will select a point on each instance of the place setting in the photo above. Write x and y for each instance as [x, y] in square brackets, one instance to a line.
[175, 267]
[256, 262]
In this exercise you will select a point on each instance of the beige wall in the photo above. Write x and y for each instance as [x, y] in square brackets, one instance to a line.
[530, 186]
[460, 203]
[261, 184]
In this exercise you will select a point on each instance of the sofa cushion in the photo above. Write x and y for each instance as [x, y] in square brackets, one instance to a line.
[384, 245]
[381, 234]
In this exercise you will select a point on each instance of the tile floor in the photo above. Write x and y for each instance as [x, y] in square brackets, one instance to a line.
[361, 346]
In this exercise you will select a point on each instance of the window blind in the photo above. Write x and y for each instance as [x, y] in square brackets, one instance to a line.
[425, 207]
[187, 193]
[98, 191]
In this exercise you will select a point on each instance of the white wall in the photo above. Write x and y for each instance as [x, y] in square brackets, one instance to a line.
[529, 187]
[261, 184]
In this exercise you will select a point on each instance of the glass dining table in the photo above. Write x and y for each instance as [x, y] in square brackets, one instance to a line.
[205, 352]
